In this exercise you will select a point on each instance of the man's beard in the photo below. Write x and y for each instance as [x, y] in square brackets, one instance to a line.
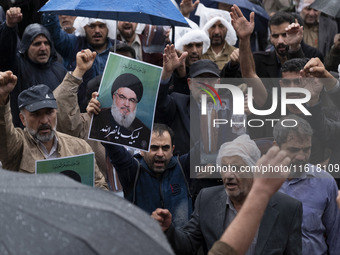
[282, 53]
[218, 42]
[42, 138]
[189, 62]
[122, 120]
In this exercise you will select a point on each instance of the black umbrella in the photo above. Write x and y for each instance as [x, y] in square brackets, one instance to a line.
[330, 7]
[52, 214]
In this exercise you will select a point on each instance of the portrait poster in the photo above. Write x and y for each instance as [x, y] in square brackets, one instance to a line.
[79, 167]
[127, 95]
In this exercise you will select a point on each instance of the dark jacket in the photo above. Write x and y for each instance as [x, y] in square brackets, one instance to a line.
[311, 52]
[175, 111]
[268, 65]
[279, 231]
[147, 190]
[51, 74]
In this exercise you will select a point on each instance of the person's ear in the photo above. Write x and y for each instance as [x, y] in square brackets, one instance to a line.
[22, 118]
[275, 143]
[189, 83]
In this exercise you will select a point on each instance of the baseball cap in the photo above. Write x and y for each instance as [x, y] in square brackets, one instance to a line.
[37, 97]
[203, 66]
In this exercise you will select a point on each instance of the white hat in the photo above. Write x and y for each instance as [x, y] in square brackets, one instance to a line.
[81, 22]
[193, 36]
[303, 4]
[209, 16]
[241, 146]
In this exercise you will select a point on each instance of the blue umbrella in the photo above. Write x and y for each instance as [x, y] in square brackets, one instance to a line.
[261, 16]
[155, 12]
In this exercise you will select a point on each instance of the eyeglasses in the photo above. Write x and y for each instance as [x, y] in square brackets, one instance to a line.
[121, 97]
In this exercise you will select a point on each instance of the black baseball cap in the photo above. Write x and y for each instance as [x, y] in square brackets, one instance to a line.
[204, 66]
[37, 97]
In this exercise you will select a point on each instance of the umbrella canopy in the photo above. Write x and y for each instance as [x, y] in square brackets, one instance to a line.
[330, 7]
[261, 16]
[52, 214]
[155, 12]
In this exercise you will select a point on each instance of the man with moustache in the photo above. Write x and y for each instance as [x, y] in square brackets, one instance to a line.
[155, 178]
[195, 42]
[127, 34]
[216, 208]
[314, 187]
[286, 37]
[93, 34]
[19, 149]
[119, 123]
[221, 35]
[33, 60]
[319, 29]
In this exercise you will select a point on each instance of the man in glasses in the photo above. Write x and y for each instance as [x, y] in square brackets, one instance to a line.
[119, 123]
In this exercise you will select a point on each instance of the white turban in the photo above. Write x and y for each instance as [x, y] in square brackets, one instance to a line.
[81, 22]
[241, 146]
[209, 16]
[303, 4]
[193, 36]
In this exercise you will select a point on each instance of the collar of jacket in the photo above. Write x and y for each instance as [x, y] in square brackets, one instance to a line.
[31, 139]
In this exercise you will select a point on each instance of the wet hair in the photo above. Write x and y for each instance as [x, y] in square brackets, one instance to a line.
[301, 129]
[161, 128]
[281, 17]
[294, 65]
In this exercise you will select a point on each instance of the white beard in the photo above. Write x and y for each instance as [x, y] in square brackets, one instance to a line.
[42, 138]
[123, 120]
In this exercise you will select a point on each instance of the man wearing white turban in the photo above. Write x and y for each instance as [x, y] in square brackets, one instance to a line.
[217, 24]
[195, 42]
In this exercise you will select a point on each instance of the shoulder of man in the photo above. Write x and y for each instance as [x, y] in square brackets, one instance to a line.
[208, 193]
[69, 140]
[284, 201]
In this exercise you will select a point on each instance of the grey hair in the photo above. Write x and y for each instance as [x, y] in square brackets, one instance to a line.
[302, 128]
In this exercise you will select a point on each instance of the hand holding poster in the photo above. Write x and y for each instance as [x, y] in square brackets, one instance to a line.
[127, 95]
